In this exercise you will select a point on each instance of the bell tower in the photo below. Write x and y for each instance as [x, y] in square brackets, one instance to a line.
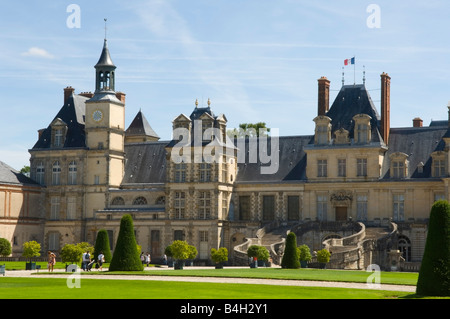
[105, 132]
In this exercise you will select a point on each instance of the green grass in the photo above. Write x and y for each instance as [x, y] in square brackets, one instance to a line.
[398, 278]
[56, 288]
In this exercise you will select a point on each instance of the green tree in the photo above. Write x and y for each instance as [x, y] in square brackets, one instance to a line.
[304, 255]
[249, 129]
[71, 253]
[126, 254]
[434, 274]
[290, 258]
[219, 255]
[5, 247]
[102, 245]
[31, 249]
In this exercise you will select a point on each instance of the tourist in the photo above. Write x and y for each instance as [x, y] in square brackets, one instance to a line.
[51, 261]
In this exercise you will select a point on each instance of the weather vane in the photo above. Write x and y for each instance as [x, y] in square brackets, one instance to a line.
[105, 26]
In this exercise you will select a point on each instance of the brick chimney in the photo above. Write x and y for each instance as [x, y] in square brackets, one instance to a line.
[417, 122]
[385, 107]
[67, 93]
[121, 96]
[323, 96]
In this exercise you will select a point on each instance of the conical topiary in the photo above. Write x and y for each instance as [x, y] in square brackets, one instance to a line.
[102, 245]
[290, 258]
[126, 254]
[434, 274]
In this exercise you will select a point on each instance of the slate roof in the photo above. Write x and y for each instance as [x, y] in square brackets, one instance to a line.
[352, 100]
[73, 114]
[9, 175]
[418, 143]
[140, 126]
[145, 162]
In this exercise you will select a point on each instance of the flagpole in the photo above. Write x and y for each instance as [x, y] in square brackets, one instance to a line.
[354, 71]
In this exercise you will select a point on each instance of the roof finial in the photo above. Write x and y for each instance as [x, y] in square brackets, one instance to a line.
[196, 102]
[364, 74]
[105, 26]
[209, 102]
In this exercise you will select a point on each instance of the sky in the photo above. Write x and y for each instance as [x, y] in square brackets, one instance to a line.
[256, 60]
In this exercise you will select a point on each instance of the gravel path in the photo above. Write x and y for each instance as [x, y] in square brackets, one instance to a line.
[279, 282]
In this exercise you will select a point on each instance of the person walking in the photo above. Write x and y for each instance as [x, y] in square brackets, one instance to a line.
[51, 261]
[100, 260]
[147, 259]
[86, 260]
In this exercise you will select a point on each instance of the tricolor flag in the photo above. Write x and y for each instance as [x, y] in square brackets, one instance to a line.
[349, 61]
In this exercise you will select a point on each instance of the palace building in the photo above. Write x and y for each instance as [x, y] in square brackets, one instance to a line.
[356, 186]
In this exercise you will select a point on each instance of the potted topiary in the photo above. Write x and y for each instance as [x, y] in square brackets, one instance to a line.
[31, 249]
[219, 256]
[192, 253]
[263, 256]
[304, 255]
[323, 257]
[180, 252]
[252, 252]
[71, 254]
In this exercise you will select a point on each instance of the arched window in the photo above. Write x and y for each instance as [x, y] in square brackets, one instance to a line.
[40, 173]
[140, 201]
[118, 201]
[161, 200]
[72, 173]
[404, 245]
[56, 173]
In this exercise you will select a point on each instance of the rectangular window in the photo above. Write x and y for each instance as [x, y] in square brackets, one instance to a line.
[322, 207]
[361, 167]
[244, 207]
[178, 235]
[399, 206]
[204, 205]
[71, 207]
[439, 196]
[58, 138]
[40, 173]
[361, 208]
[293, 208]
[342, 167]
[53, 241]
[268, 207]
[96, 180]
[179, 204]
[204, 248]
[72, 173]
[180, 173]
[322, 168]
[205, 172]
[398, 169]
[438, 168]
[54, 209]
[224, 205]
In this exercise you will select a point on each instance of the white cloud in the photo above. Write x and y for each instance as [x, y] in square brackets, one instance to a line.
[38, 52]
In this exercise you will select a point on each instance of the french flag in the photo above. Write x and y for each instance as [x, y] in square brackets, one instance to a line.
[349, 61]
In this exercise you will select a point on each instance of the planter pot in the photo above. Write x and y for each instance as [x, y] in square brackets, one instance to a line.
[303, 264]
[322, 265]
[219, 266]
[179, 264]
[254, 265]
[30, 266]
[261, 263]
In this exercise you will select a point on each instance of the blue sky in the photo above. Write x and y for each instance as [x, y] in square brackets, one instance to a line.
[257, 60]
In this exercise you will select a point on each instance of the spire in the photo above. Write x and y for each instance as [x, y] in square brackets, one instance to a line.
[104, 70]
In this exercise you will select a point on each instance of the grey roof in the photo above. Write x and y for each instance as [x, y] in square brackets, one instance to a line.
[105, 57]
[73, 114]
[418, 143]
[140, 126]
[145, 163]
[9, 175]
[350, 101]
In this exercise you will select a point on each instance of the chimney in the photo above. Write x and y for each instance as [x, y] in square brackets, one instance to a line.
[385, 106]
[87, 94]
[67, 93]
[121, 96]
[324, 96]
[417, 122]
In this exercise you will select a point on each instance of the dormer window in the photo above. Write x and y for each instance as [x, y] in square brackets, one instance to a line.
[362, 131]
[59, 129]
[399, 165]
[323, 130]
[438, 166]
[341, 136]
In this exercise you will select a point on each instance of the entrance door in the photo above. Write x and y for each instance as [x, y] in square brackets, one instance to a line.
[341, 213]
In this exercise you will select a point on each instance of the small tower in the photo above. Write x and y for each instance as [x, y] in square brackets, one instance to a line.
[104, 71]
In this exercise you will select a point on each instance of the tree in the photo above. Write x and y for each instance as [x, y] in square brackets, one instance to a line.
[126, 254]
[219, 255]
[434, 274]
[5, 247]
[304, 255]
[31, 249]
[71, 253]
[290, 258]
[25, 171]
[102, 245]
[323, 256]
[249, 129]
